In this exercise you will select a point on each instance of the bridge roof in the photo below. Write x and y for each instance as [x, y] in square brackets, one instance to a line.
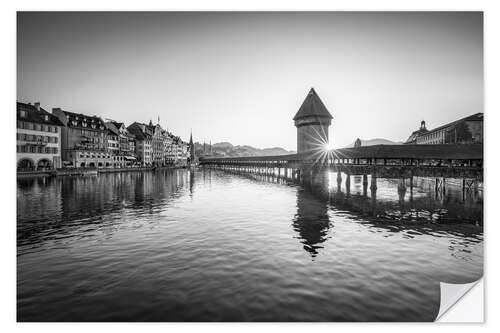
[312, 106]
[441, 151]
[445, 151]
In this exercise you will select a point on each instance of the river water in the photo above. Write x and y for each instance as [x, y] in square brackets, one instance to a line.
[178, 245]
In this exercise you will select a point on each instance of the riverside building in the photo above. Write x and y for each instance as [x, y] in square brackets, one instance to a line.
[83, 140]
[143, 143]
[38, 138]
[465, 130]
[126, 156]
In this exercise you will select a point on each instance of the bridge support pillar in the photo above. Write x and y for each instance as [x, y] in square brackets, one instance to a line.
[348, 184]
[373, 190]
[320, 181]
[365, 184]
[373, 185]
[411, 188]
[339, 180]
[402, 191]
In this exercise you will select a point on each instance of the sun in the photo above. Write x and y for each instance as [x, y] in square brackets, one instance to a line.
[329, 146]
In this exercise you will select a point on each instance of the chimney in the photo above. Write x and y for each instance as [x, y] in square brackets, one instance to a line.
[37, 106]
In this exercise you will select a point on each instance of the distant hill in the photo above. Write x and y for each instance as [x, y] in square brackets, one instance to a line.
[373, 142]
[227, 149]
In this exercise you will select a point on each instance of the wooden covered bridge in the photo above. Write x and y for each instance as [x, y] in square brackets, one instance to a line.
[314, 161]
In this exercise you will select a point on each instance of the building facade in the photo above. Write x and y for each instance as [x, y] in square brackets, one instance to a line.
[84, 140]
[467, 130]
[143, 143]
[38, 138]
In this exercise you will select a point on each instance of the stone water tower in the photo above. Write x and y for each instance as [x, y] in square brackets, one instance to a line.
[312, 122]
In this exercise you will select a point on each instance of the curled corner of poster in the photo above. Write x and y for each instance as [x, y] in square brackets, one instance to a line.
[461, 303]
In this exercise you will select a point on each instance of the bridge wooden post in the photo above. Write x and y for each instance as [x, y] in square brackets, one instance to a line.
[402, 192]
[373, 190]
[339, 180]
[348, 183]
[411, 187]
[365, 184]
[373, 185]
[285, 171]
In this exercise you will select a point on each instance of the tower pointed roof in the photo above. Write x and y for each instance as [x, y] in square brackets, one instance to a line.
[312, 106]
[191, 138]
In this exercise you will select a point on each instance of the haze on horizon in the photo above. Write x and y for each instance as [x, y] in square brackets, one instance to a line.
[241, 77]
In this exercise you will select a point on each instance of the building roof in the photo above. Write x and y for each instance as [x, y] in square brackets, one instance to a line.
[431, 151]
[36, 116]
[139, 131]
[475, 117]
[416, 134]
[440, 151]
[68, 117]
[117, 124]
[112, 127]
[312, 106]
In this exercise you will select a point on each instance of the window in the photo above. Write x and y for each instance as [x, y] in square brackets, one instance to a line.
[46, 117]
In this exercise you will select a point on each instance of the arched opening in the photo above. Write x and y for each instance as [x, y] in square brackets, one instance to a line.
[43, 164]
[82, 165]
[108, 164]
[99, 164]
[25, 164]
[91, 165]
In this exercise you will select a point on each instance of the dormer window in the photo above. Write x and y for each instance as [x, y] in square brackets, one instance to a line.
[23, 114]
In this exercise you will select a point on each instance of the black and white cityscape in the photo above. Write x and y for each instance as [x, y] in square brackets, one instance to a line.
[247, 166]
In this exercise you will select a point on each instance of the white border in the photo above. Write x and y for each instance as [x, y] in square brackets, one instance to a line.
[8, 93]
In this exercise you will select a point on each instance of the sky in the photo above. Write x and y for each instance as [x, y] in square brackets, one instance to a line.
[241, 77]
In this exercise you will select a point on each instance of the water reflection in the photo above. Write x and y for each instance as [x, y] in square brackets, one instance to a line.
[205, 245]
[397, 200]
[311, 221]
[55, 208]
